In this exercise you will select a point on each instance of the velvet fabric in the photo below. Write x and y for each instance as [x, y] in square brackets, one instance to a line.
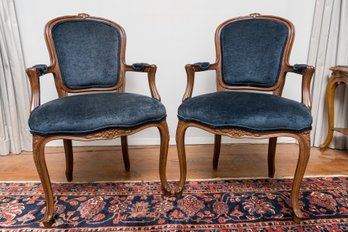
[92, 112]
[298, 68]
[43, 69]
[250, 111]
[203, 65]
[88, 53]
[139, 67]
[252, 51]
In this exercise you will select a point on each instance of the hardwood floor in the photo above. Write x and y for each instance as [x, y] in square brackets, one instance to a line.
[236, 160]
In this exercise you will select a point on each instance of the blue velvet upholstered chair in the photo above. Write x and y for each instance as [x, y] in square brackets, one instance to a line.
[252, 53]
[87, 54]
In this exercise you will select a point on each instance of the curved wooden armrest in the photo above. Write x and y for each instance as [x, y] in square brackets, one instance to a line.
[190, 71]
[307, 72]
[34, 74]
[150, 69]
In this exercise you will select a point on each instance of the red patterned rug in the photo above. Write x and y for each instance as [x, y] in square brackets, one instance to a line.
[214, 205]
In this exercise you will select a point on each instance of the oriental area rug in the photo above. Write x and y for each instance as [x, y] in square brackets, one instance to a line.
[206, 205]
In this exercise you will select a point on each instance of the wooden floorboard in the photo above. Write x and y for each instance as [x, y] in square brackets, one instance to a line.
[104, 163]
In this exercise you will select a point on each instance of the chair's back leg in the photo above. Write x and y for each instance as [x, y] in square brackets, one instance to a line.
[272, 145]
[304, 153]
[40, 163]
[217, 146]
[164, 133]
[69, 159]
[125, 154]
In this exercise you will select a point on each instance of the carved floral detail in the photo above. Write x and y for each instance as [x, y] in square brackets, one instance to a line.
[236, 133]
[254, 15]
[109, 134]
[83, 15]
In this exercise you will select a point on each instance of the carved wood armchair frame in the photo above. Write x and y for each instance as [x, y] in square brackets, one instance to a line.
[302, 137]
[34, 73]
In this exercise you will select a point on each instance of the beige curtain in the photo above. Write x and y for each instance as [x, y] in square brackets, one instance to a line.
[14, 92]
[329, 47]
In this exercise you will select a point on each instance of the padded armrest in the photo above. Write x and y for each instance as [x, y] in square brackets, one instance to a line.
[42, 68]
[298, 68]
[203, 65]
[140, 67]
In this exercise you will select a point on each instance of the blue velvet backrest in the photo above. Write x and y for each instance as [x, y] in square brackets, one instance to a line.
[252, 51]
[88, 53]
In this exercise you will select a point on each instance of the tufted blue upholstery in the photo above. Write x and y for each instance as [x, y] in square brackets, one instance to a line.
[244, 110]
[88, 53]
[92, 112]
[252, 52]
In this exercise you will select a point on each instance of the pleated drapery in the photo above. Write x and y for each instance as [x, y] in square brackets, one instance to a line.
[329, 47]
[14, 90]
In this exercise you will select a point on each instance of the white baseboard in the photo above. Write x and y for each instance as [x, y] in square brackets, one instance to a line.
[156, 141]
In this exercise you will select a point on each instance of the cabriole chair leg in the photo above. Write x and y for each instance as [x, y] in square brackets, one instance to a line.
[164, 134]
[40, 163]
[304, 153]
[180, 143]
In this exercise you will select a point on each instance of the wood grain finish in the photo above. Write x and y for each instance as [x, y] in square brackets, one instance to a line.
[105, 163]
[39, 142]
[303, 138]
[339, 76]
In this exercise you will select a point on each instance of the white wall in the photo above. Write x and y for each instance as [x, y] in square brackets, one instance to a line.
[169, 34]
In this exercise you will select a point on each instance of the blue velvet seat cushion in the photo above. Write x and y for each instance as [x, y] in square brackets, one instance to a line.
[249, 111]
[92, 112]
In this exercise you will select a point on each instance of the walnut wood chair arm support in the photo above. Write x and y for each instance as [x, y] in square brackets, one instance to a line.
[307, 72]
[150, 69]
[190, 71]
[34, 73]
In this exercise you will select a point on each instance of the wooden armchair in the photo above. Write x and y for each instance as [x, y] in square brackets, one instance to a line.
[252, 53]
[88, 55]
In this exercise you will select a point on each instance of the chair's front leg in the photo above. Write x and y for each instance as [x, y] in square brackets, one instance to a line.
[164, 133]
[40, 163]
[180, 143]
[304, 153]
